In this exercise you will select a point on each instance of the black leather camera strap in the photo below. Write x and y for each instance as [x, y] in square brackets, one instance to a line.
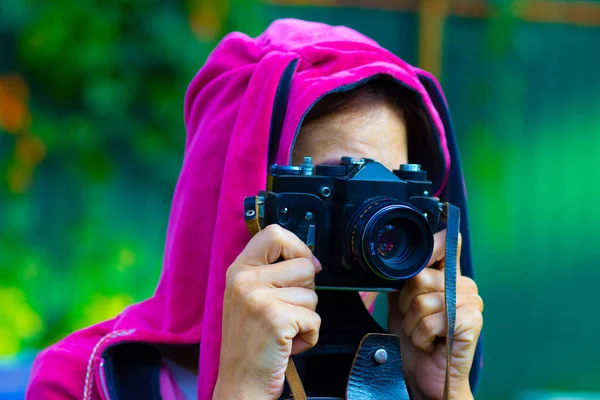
[452, 216]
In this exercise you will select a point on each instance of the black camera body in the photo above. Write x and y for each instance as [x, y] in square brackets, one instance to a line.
[371, 228]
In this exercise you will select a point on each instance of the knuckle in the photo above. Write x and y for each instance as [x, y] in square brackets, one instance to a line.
[423, 279]
[239, 283]
[254, 302]
[469, 284]
[239, 278]
[260, 275]
[305, 271]
[476, 319]
[314, 321]
[419, 305]
[476, 310]
[314, 302]
[313, 339]
[317, 321]
[235, 282]
[312, 299]
[428, 324]
[274, 232]
[236, 268]
[480, 303]
[316, 326]
[230, 274]
[473, 317]
[475, 301]
[307, 267]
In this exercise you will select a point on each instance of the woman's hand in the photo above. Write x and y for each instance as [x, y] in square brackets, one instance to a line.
[268, 314]
[417, 314]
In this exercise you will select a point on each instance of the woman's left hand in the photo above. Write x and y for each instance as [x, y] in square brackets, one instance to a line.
[417, 314]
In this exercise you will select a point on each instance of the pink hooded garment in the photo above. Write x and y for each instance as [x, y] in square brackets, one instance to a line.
[228, 118]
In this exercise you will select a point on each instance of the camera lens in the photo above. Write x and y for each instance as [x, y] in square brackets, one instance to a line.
[390, 238]
[390, 241]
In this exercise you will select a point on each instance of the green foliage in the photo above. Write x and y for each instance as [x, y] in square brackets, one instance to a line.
[89, 164]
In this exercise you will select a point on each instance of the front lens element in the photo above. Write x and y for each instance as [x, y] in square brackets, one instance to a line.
[393, 243]
[390, 238]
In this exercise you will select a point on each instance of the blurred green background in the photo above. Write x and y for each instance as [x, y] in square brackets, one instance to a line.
[91, 140]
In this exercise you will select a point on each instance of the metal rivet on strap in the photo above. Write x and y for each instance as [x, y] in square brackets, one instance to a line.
[380, 356]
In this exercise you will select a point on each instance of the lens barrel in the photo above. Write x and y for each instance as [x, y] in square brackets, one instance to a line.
[390, 238]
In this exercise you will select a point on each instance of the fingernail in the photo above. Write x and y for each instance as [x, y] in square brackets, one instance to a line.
[317, 263]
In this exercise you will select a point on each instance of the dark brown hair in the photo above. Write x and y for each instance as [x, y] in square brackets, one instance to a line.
[422, 145]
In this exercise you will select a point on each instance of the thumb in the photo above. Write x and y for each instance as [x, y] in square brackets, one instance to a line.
[439, 251]
[273, 243]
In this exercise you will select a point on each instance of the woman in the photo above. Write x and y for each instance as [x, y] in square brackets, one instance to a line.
[226, 315]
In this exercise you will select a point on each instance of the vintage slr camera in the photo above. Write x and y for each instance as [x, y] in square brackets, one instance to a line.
[371, 228]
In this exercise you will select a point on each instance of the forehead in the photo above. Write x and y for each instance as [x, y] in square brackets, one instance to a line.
[367, 126]
[376, 132]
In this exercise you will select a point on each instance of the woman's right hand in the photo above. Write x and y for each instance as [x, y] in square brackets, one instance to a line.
[268, 314]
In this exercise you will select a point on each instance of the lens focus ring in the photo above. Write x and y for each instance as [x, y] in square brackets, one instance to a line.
[389, 238]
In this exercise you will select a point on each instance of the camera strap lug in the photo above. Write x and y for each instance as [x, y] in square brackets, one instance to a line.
[252, 212]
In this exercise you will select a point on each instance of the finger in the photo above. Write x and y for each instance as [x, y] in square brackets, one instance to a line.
[296, 296]
[299, 272]
[439, 251]
[469, 322]
[429, 281]
[308, 325]
[428, 329]
[428, 304]
[439, 248]
[273, 243]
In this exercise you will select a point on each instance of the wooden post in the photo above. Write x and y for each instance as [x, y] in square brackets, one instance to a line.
[432, 19]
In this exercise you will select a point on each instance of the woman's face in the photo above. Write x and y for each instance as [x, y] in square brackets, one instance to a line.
[378, 132]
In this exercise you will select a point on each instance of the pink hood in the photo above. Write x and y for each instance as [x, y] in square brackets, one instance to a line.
[228, 118]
